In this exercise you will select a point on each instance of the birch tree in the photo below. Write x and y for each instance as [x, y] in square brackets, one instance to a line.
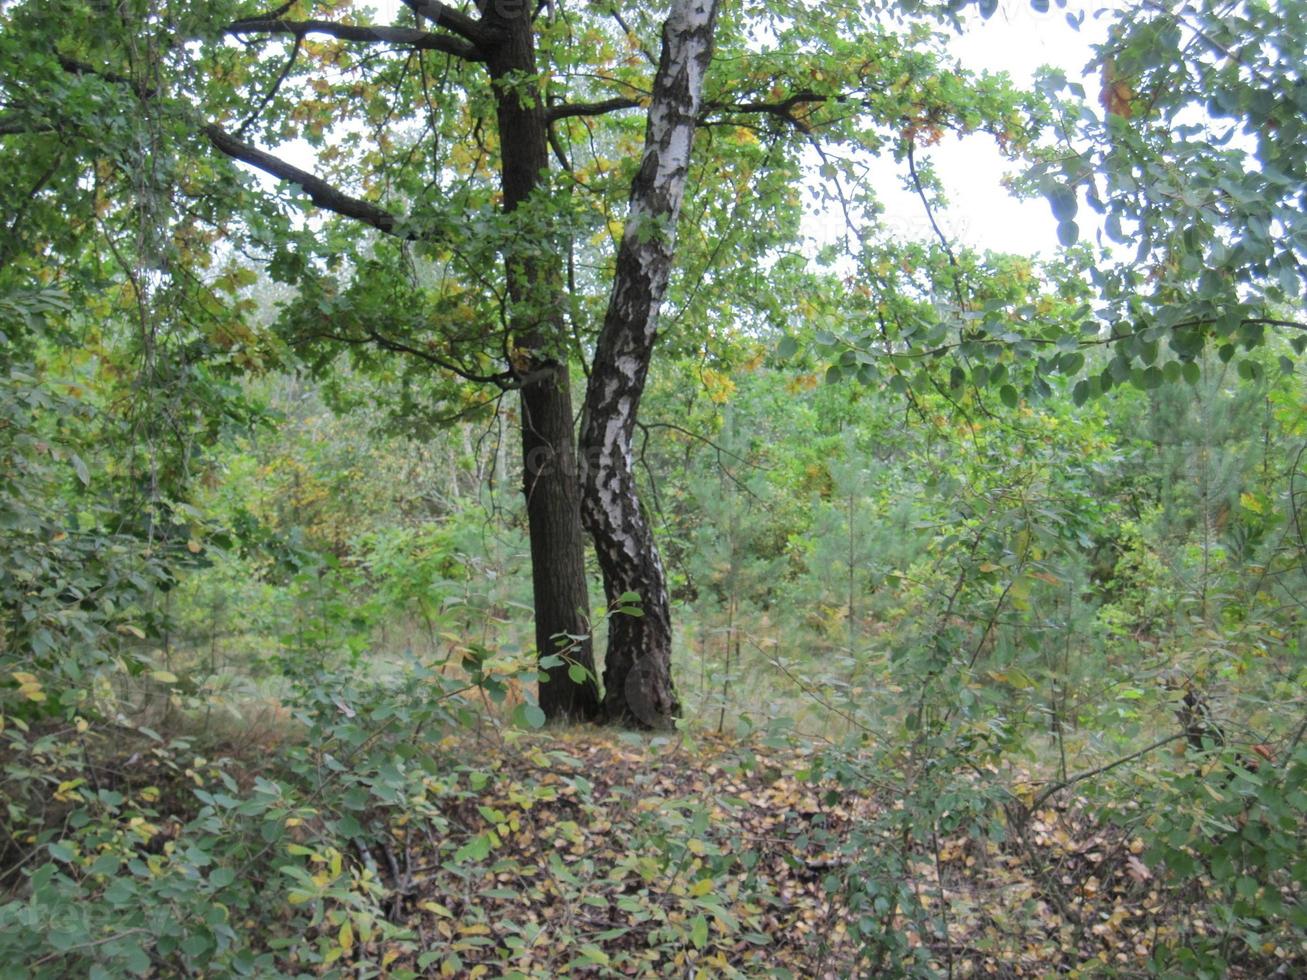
[454, 193]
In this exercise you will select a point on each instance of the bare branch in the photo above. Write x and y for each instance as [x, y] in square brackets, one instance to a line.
[75, 67]
[407, 37]
[504, 379]
[12, 124]
[271, 94]
[568, 110]
[319, 191]
[782, 109]
[556, 145]
[1080, 777]
[456, 21]
[271, 14]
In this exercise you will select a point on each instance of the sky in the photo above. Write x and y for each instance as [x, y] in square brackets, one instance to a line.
[1016, 40]
[982, 214]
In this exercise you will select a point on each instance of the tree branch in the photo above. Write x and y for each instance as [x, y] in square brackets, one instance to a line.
[75, 67]
[782, 109]
[1080, 777]
[319, 191]
[271, 94]
[460, 23]
[271, 14]
[568, 110]
[12, 124]
[365, 33]
[504, 380]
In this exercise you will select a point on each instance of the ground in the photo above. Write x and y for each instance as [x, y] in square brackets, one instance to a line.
[596, 854]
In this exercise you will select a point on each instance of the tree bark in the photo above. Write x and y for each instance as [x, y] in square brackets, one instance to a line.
[535, 287]
[637, 672]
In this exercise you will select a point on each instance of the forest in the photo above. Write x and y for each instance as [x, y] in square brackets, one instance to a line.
[499, 489]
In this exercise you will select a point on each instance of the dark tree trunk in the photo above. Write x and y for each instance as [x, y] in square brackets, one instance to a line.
[534, 278]
[637, 672]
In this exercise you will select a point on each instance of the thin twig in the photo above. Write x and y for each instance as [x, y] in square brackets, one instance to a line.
[1080, 777]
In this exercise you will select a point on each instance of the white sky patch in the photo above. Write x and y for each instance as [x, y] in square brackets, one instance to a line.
[981, 212]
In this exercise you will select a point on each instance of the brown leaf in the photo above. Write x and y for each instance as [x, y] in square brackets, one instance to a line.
[1136, 869]
[1116, 93]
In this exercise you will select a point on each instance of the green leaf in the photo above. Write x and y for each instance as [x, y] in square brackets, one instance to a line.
[79, 467]
[1068, 233]
[594, 954]
[1062, 200]
[1113, 228]
[477, 849]
[1071, 363]
[577, 674]
[1008, 395]
[533, 716]
[699, 931]
[787, 348]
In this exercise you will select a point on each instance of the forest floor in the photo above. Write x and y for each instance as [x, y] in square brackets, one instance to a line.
[584, 853]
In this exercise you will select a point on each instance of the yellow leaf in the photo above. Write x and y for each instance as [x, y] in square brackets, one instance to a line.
[346, 936]
[194, 547]
[164, 676]
[24, 678]
[437, 909]
[718, 385]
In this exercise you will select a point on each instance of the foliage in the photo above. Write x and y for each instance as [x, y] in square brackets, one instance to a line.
[990, 568]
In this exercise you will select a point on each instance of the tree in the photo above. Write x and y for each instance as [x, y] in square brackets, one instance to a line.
[1190, 156]
[504, 38]
[637, 671]
[409, 122]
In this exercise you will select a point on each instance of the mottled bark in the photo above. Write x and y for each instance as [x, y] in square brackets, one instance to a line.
[637, 672]
[535, 288]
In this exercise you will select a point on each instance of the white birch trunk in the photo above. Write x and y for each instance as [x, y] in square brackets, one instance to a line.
[637, 671]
